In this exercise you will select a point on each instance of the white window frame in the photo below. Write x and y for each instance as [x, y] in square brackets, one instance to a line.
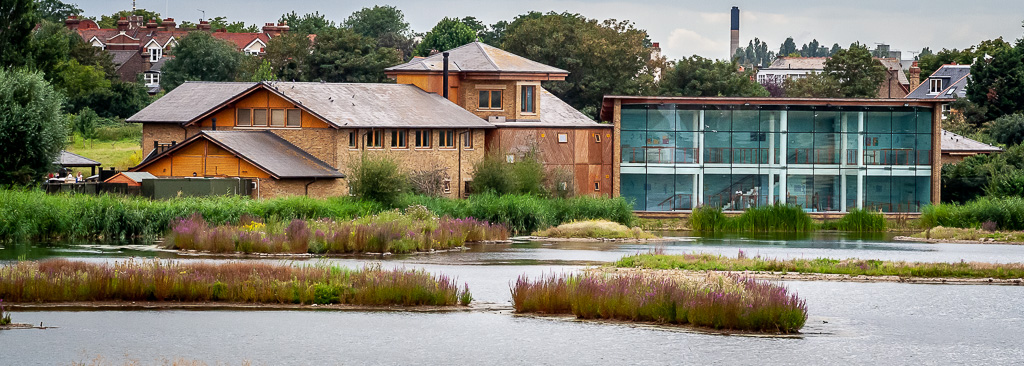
[152, 78]
[155, 53]
[934, 86]
[945, 110]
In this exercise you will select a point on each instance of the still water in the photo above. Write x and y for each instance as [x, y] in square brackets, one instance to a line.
[850, 323]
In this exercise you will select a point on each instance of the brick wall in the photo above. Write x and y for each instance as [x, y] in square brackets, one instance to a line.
[163, 133]
[271, 188]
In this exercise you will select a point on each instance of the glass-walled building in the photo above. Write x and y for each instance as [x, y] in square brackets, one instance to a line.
[823, 155]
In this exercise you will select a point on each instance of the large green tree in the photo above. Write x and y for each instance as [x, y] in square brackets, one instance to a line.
[199, 56]
[312, 23]
[929, 62]
[386, 24]
[288, 54]
[447, 34]
[32, 127]
[815, 85]
[342, 55]
[787, 48]
[859, 75]
[609, 57]
[56, 10]
[232, 27]
[17, 17]
[997, 84]
[756, 54]
[110, 21]
[700, 77]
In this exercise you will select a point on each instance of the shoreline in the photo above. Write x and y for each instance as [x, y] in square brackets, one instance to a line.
[255, 255]
[597, 240]
[828, 277]
[954, 241]
[232, 306]
[661, 326]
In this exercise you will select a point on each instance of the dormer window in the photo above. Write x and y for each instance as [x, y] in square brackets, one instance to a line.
[934, 86]
[155, 53]
[527, 104]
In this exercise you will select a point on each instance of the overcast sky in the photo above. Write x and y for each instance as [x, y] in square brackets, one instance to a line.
[683, 27]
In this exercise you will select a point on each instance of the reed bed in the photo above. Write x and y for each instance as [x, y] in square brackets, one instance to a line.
[595, 229]
[60, 280]
[1005, 213]
[854, 267]
[771, 218]
[391, 231]
[858, 220]
[524, 214]
[719, 302]
[950, 233]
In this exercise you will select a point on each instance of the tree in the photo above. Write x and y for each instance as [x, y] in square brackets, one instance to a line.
[263, 72]
[929, 62]
[17, 17]
[377, 21]
[110, 21]
[55, 10]
[608, 57]
[998, 83]
[447, 34]
[312, 23]
[788, 47]
[377, 179]
[233, 27]
[288, 54]
[32, 126]
[199, 56]
[1008, 129]
[697, 76]
[756, 54]
[814, 85]
[835, 48]
[494, 35]
[342, 55]
[859, 74]
[121, 100]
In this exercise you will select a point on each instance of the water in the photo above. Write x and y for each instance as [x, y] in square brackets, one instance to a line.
[850, 323]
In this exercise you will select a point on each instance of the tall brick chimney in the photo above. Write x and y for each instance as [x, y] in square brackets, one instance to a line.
[203, 25]
[168, 24]
[915, 75]
[152, 24]
[123, 24]
[72, 22]
[271, 29]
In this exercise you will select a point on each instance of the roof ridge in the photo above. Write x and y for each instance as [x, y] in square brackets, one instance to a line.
[487, 55]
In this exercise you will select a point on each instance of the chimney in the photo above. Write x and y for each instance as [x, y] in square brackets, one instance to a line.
[168, 24]
[271, 29]
[445, 84]
[203, 25]
[122, 24]
[915, 75]
[283, 27]
[72, 22]
[734, 31]
[151, 24]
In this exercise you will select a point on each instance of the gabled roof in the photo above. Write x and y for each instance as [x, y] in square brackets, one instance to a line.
[265, 150]
[120, 57]
[189, 101]
[134, 176]
[955, 79]
[241, 40]
[555, 113]
[478, 57]
[952, 142]
[74, 160]
[818, 64]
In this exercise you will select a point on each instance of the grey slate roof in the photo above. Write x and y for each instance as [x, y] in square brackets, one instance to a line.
[954, 79]
[272, 153]
[477, 57]
[818, 64]
[119, 57]
[955, 143]
[138, 176]
[555, 113]
[74, 160]
[157, 66]
[371, 105]
[189, 101]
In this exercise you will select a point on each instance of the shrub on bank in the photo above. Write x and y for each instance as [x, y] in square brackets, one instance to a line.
[1006, 212]
[596, 229]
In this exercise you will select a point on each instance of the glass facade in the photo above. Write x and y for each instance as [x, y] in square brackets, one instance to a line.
[822, 158]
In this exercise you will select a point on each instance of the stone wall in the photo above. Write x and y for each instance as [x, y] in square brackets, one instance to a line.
[162, 133]
[272, 188]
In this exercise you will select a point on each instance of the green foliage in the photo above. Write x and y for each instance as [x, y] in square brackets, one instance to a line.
[491, 175]
[814, 85]
[698, 76]
[447, 34]
[32, 128]
[970, 178]
[1006, 212]
[377, 21]
[494, 174]
[1008, 129]
[85, 123]
[110, 21]
[602, 58]
[17, 18]
[527, 213]
[232, 27]
[773, 218]
[756, 54]
[859, 74]
[288, 54]
[707, 219]
[55, 10]
[342, 55]
[312, 23]
[79, 81]
[998, 84]
[788, 47]
[199, 56]
[858, 220]
[1007, 184]
[929, 61]
[377, 179]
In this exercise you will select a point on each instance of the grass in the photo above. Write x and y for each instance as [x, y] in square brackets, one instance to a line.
[390, 231]
[858, 220]
[595, 229]
[1006, 213]
[122, 154]
[5, 317]
[854, 267]
[771, 218]
[33, 214]
[719, 302]
[60, 280]
[951, 233]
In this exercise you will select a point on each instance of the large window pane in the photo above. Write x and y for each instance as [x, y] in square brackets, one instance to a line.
[903, 149]
[686, 147]
[800, 121]
[800, 148]
[717, 189]
[717, 120]
[660, 147]
[633, 146]
[924, 120]
[877, 148]
[661, 118]
[687, 120]
[684, 199]
[904, 121]
[634, 118]
[924, 149]
[879, 122]
[826, 148]
[877, 191]
[746, 147]
[633, 190]
[904, 194]
[717, 147]
[661, 189]
[745, 120]
[825, 195]
[800, 190]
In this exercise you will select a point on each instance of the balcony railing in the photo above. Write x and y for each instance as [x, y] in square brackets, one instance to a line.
[753, 155]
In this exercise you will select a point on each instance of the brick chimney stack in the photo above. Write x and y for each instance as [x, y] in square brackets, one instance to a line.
[72, 22]
[123, 24]
[915, 75]
[168, 24]
[271, 29]
[203, 25]
[151, 24]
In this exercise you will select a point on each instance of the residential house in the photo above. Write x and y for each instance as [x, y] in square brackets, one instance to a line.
[895, 85]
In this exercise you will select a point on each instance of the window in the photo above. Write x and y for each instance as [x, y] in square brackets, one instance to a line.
[597, 186]
[934, 86]
[490, 99]
[244, 117]
[597, 138]
[259, 117]
[277, 118]
[152, 78]
[446, 185]
[526, 99]
[945, 110]
[446, 139]
[294, 118]
[398, 138]
[563, 138]
[375, 138]
[422, 138]
[155, 53]
[467, 140]
[352, 139]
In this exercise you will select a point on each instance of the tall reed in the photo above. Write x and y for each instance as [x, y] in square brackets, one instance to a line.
[5, 317]
[1006, 212]
[777, 217]
[719, 302]
[60, 280]
[858, 220]
[708, 219]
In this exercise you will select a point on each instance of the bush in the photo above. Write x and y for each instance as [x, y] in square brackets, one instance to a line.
[1007, 213]
[1008, 129]
[377, 179]
[1008, 184]
[33, 130]
[861, 220]
[526, 175]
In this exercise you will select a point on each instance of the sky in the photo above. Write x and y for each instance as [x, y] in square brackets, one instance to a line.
[682, 27]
